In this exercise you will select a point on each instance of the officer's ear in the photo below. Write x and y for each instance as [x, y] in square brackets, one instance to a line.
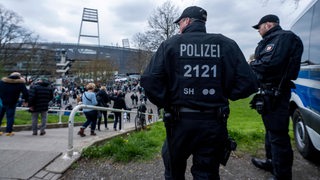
[269, 25]
[188, 21]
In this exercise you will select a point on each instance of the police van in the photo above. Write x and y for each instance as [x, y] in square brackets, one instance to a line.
[305, 99]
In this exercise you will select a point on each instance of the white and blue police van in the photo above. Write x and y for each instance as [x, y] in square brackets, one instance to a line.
[305, 99]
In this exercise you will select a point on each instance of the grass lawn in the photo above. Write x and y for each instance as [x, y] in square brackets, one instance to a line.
[244, 125]
[23, 117]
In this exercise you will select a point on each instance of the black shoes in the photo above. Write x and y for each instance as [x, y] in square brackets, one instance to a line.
[265, 164]
[93, 133]
[41, 133]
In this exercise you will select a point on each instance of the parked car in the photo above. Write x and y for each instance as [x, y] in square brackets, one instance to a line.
[305, 99]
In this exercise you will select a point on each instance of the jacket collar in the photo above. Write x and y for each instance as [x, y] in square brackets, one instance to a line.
[196, 26]
[271, 31]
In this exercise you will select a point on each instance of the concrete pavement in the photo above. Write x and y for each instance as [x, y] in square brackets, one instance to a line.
[24, 156]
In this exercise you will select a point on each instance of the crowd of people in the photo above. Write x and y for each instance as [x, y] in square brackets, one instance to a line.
[42, 95]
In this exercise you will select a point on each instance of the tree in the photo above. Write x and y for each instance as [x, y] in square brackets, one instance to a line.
[161, 27]
[139, 61]
[141, 58]
[36, 61]
[161, 22]
[12, 38]
[98, 71]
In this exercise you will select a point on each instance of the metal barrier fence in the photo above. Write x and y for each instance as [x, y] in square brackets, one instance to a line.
[59, 110]
[70, 149]
[76, 109]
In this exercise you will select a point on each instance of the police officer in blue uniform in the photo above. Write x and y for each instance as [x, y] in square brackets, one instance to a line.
[276, 62]
[192, 75]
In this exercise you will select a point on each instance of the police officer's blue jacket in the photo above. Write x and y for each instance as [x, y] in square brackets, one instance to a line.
[197, 70]
[277, 57]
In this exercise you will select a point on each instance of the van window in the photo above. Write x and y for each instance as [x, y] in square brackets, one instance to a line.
[314, 41]
[302, 29]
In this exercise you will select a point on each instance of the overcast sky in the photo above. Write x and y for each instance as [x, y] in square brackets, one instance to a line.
[59, 20]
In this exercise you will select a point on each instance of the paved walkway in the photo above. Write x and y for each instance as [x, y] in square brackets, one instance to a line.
[24, 156]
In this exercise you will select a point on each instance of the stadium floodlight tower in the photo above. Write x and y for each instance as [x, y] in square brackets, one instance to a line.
[89, 16]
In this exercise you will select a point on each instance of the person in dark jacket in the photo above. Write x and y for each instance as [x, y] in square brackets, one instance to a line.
[40, 94]
[10, 89]
[276, 62]
[103, 100]
[142, 108]
[118, 103]
[134, 98]
[192, 75]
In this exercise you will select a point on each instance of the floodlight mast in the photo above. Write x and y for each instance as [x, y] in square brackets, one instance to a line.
[91, 16]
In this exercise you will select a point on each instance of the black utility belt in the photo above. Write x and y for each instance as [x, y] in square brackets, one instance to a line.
[190, 110]
[270, 92]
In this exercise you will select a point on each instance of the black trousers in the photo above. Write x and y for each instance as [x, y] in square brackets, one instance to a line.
[201, 135]
[105, 117]
[117, 118]
[277, 140]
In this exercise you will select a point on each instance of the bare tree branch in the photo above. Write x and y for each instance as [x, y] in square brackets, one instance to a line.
[12, 39]
[161, 27]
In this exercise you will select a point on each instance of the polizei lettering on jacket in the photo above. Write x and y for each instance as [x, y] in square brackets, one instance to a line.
[200, 50]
